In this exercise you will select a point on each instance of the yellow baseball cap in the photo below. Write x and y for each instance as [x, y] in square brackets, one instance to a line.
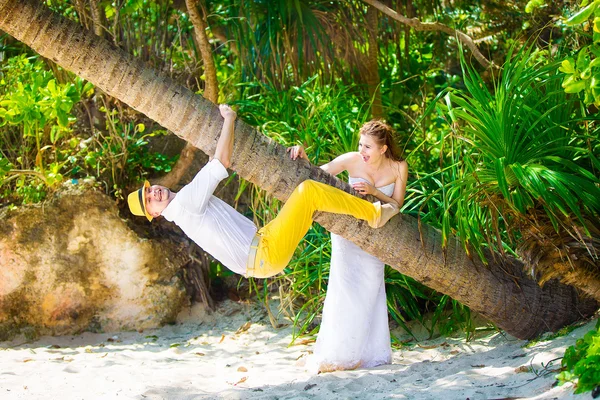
[137, 202]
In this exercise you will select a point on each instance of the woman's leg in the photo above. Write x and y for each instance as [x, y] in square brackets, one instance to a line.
[280, 237]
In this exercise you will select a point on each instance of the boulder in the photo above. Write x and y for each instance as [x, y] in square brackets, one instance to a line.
[72, 264]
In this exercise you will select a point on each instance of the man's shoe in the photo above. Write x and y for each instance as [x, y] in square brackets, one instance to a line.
[388, 210]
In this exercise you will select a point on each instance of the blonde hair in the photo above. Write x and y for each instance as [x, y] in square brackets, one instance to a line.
[383, 134]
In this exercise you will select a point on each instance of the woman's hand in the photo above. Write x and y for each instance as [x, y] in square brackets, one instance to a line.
[227, 112]
[364, 188]
[297, 151]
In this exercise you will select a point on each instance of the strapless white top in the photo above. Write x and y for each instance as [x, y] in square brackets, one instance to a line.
[388, 190]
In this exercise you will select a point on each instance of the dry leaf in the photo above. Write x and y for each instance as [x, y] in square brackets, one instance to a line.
[244, 327]
[241, 381]
[522, 368]
[200, 354]
[454, 352]
[305, 342]
[242, 369]
[28, 359]
[222, 338]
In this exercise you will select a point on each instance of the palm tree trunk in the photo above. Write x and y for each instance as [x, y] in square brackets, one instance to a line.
[211, 89]
[410, 13]
[190, 154]
[97, 17]
[500, 291]
[371, 65]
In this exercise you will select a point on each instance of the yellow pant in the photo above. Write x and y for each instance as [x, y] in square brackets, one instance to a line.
[280, 237]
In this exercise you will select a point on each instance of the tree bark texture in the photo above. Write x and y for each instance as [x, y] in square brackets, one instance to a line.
[189, 155]
[97, 17]
[371, 65]
[501, 291]
[211, 89]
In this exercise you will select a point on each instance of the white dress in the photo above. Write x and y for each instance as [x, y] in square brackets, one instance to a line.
[354, 330]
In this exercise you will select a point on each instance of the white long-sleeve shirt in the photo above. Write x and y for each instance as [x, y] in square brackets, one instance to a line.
[213, 224]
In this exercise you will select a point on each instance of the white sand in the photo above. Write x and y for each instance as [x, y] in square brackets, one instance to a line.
[209, 360]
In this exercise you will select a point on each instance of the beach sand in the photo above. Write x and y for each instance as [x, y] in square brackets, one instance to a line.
[235, 353]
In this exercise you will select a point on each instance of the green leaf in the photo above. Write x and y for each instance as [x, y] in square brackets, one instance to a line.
[575, 87]
[109, 11]
[564, 377]
[567, 66]
[533, 4]
[586, 73]
[597, 24]
[5, 166]
[52, 86]
[63, 118]
[594, 348]
[501, 176]
[595, 62]
[582, 15]
[583, 59]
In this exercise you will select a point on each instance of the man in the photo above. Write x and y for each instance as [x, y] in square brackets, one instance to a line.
[232, 238]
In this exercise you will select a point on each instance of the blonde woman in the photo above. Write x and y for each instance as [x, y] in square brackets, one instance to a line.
[354, 330]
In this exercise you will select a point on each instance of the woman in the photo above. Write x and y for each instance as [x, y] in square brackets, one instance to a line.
[354, 331]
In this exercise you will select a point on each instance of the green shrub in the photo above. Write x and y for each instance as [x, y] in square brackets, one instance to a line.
[581, 362]
[36, 119]
[41, 145]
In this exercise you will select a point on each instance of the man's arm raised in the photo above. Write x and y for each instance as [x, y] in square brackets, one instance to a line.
[225, 143]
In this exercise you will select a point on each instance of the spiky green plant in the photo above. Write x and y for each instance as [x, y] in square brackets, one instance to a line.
[522, 157]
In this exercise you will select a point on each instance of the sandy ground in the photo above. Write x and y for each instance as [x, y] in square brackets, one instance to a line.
[235, 353]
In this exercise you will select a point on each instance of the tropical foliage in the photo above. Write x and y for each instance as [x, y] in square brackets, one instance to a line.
[581, 363]
[504, 158]
[521, 163]
[582, 71]
[42, 145]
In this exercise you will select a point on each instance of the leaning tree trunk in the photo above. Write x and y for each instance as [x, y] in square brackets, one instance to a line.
[189, 154]
[500, 291]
